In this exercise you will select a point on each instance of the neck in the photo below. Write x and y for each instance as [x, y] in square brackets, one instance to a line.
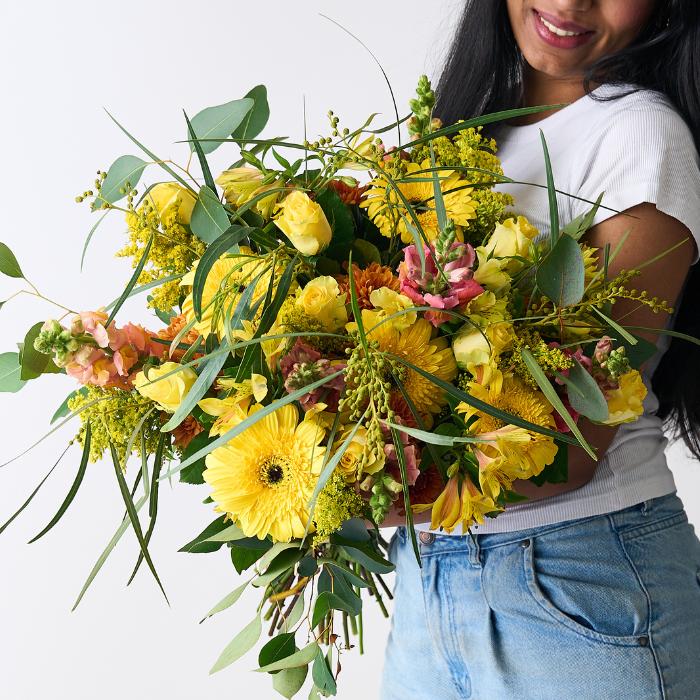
[542, 89]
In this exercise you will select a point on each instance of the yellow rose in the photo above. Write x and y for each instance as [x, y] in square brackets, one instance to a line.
[473, 346]
[625, 404]
[169, 196]
[321, 299]
[304, 223]
[168, 392]
[350, 461]
[513, 237]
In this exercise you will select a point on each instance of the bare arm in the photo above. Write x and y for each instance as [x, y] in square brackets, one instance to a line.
[653, 232]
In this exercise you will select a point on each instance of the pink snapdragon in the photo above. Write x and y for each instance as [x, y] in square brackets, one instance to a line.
[447, 282]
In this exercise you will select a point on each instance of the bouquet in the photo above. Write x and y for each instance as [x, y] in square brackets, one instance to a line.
[343, 329]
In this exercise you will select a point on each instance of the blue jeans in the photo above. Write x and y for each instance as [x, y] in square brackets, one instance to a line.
[601, 608]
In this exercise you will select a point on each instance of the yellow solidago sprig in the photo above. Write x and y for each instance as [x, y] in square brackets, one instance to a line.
[550, 359]
[164, 217]
[115, 415]
[336, 503]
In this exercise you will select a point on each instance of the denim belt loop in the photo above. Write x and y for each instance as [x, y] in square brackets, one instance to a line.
[474, 550]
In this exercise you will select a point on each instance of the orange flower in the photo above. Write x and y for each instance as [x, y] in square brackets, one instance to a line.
[373, 277]
[177, 323]
[186, 431]
[348, 194]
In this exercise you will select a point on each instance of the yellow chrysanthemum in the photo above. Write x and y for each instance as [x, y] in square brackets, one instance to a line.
[264, 477]
[518, 458]
[387, 210]
[418, 346]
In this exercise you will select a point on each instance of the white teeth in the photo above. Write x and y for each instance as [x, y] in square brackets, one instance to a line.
[555, 30]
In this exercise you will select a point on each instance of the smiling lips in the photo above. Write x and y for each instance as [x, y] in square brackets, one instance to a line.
[560, 33]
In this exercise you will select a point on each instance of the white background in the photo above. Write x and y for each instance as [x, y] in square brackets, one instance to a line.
[145, 61]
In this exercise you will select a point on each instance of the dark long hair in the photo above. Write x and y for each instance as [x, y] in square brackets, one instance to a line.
[483, 73]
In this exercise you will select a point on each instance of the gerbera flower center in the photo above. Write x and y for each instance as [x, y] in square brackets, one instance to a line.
[274, 469]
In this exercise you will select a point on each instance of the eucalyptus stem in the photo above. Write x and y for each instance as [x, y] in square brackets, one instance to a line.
[346, 631]
[367, 576]
[386, 588]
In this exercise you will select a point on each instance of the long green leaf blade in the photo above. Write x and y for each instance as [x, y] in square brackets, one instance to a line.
[132, 282]
[74, 487]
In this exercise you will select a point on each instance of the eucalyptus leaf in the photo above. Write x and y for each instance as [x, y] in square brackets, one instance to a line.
[300, 658]
[34, 363]
[321, 673]
[586, 398]
[227, 601]
[289, 681]
[279, 647]
[242, 643]
[256, 118]
[209, 218]
[10, 370]
[122, 176]
[63, 409]
[368, 558]
[8, 263]
[219, 122]
[561, 274]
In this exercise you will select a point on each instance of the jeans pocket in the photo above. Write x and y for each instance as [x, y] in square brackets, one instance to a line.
[584, 581]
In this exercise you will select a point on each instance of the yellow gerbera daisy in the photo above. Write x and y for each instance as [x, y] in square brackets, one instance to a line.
[522, 454]
[225, 282]
[418, 346]
[264, 477]
[388, 211]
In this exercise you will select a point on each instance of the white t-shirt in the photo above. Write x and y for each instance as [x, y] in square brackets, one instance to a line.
[635, 148]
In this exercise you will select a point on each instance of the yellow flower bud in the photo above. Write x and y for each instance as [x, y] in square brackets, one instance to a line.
[169, 392]
[304, 223]
[169, 194]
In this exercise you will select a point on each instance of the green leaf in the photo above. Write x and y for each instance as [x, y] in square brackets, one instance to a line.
[585, 395]
[277, 648]
[550, 393]
[209, 217]
[321, 673]
[228, 534]
[350, 576]
[203, 164]
[153, 156]
[33, 363]
[367, 557]
[227, 601]
[126, 170]
[145, 288]
[134, 518]
[308, 566]
[398, 445]
[123, 527]
[8, 263]
[342, 588]
[32, 494]
[242, 643]
[300, 658]
[10, 369]
[551, 194]
[256, 118]
[243, 558]
[284, 561]
[202, 543]
[219, 122]
[289, 681]
[627, 336]
[194, 474]
[578, 226]
[89, 238]
[132, 282]
[208, 373]
[561, 274]
[227, 241]
[326, 602]
[63, 409]
[340, 218]
[365, 252]
[82, 468]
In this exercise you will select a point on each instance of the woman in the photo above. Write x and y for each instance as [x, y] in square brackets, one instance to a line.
[589, 589]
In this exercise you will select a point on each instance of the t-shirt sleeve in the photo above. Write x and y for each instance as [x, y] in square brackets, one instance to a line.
[646, 153]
